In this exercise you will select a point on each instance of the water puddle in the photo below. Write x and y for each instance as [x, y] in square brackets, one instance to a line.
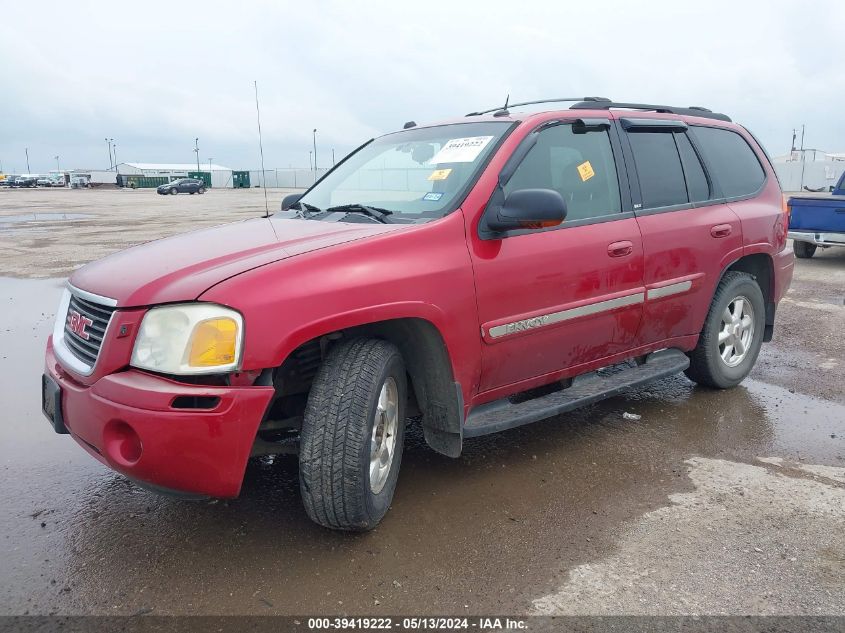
[508, 519]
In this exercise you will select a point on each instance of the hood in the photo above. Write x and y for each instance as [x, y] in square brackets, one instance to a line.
[181, 268]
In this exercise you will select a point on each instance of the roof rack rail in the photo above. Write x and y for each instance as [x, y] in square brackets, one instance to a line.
[524, 103]
[698, 111]
[603, 103]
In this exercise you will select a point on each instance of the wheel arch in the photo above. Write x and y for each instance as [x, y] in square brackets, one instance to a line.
[429, 365]
[761, 267]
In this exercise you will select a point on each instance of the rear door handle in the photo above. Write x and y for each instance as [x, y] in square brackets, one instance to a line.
[720, 230]
[620, 249]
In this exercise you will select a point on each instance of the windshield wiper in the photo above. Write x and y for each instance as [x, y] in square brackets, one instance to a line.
[376, 213]
[304, 208]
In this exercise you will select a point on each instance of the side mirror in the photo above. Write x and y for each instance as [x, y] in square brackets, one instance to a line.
[528, 209]
[289, 200]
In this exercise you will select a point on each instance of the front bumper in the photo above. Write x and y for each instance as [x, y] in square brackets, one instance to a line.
[127, 421]
[819, 238]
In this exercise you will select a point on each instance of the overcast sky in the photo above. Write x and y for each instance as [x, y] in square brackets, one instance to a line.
[154, 76]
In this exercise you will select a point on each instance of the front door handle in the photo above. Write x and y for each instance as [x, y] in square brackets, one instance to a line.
[620, 249]
[721, 230]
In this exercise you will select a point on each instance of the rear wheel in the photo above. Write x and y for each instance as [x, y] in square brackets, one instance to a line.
[352, 435]
[804, 250]
[732, 335]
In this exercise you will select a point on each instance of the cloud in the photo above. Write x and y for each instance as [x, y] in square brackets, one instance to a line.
[156, 76]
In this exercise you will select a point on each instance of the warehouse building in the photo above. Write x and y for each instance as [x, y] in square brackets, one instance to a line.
[809, 170]
[286, 178]
[155, 174]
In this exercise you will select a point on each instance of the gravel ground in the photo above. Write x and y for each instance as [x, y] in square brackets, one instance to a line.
[710, 502]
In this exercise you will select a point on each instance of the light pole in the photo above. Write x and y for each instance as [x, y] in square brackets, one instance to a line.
[197, 151]
[315, 151]
[58, 168]
[26, 149]
[332, 156]
[114, 146]
[310, 164]
[109, 142]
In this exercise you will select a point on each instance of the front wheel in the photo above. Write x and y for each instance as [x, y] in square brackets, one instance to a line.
[201, 190]
[173, 191]
[352, 435]
[732, 335]
[804, 250]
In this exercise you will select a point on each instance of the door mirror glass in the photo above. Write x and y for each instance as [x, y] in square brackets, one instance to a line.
[528, 209]
[289, 200]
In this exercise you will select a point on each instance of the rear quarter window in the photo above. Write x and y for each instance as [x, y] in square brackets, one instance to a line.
[731, 161]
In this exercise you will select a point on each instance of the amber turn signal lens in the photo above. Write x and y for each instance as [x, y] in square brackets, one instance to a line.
[541, 225]
[214, 343]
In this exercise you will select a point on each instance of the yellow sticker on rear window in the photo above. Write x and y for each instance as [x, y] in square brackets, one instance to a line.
[440, 174]
[585, 170]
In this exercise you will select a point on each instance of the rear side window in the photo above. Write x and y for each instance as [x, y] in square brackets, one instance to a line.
[659, 169]
[731, 160]
[697, 186]
[579, 165]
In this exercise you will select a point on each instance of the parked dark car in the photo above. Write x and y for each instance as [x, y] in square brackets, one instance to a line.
[26, 181]
[183, 185]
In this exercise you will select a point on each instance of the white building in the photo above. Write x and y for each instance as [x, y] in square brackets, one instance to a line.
[94, 177]
[220, 176]
[809, 169]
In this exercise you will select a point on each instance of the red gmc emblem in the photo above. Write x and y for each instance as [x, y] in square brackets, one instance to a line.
[77, 323]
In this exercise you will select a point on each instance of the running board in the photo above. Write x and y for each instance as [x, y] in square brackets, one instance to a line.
[585, 389]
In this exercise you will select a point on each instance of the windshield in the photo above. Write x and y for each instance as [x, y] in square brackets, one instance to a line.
[414, 175]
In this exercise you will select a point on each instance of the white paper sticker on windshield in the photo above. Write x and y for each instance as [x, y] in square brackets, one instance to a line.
[461, 150]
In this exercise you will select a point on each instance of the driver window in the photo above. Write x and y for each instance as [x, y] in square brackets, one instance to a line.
[579, 165]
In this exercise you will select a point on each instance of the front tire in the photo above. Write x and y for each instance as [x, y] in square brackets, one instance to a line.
[732, 335]
[804, 250]
[201, 190]
[352, 435]
[173, 192]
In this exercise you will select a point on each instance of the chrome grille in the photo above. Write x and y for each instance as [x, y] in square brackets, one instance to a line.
[88, 349]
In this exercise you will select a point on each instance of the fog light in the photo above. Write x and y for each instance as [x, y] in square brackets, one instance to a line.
[122, 444]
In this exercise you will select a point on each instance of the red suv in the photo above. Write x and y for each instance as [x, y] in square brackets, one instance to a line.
[476, 274]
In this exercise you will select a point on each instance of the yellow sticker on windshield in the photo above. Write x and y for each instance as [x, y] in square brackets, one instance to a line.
[440, 174]
[585, 170]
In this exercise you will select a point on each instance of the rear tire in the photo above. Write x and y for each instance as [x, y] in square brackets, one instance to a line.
[352, 435]
[732, 335]
[804, 250]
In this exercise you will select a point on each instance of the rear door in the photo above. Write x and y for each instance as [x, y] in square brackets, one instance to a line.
[690, 234]
[550, 299]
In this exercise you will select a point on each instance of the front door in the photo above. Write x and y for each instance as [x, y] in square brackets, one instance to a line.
[555, 298]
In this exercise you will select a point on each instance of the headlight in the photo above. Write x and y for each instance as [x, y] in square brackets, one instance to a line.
[193, 338]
